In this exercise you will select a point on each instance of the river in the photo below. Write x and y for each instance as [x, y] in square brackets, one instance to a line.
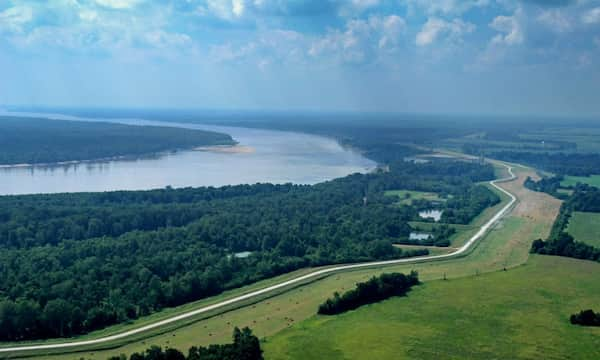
[268, 156]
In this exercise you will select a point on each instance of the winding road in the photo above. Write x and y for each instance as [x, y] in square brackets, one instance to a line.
[462, 250]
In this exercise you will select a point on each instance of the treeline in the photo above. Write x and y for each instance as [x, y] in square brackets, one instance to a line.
[560, 243]
[548, 185]
[371, 291]
[565, 245]
[575, 164]
[586, 318]
[72, 263]
[245, 346]
[35, 141]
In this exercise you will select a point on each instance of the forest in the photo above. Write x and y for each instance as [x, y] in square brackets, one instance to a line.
[43, 141]
[245, 346]
[584, 198]
[373, 290]
[73, 263]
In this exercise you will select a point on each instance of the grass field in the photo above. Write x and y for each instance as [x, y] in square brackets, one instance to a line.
[406, 197]
[567, 192]
[585, 227]
[506, 245]
[593, 180]
[492, 316]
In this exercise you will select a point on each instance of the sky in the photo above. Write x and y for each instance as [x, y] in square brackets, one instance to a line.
[417, 56]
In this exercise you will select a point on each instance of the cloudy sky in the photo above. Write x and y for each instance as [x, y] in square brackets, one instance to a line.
[432, 56]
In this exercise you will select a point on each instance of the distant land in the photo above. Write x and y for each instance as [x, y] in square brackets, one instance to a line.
[43, 141]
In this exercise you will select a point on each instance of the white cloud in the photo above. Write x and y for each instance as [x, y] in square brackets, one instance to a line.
[436, 27]
[361, 40]
[88, 15]
[162, 39]
[118, 4]
[592, 16]
[555, 19]
[445, 7]
[13, 19]
[510, 26]
[224, 9]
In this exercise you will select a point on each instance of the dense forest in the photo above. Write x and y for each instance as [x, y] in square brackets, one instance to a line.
[586, 318]
[374, 290]
[72, 263]
[35, 141]
[245, 346]
[584, 198]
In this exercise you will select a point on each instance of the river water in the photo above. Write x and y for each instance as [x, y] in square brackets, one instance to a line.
[269, 156]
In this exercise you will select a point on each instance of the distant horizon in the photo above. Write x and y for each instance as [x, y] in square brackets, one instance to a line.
[275, 111]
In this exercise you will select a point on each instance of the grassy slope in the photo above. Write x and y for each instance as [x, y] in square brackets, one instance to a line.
[593, 180]
[585, 227]
[492, 316]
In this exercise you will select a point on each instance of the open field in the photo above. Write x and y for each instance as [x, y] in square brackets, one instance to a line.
[593, 180]
[492, 316]
[585, 227]
[406, 197]
[506, 245]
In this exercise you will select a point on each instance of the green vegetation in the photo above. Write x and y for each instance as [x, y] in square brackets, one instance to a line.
[506, 246]
[571, 181]
[373, 290]
[549, 185]
[478, 317]
[586, 318]
[245, 346]
[584, 199]
[72, 263]
[407, 197]
[585, 227]
[35, 141]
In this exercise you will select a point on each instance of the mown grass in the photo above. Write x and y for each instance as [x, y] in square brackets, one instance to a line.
[406, 197]
[585, 227]
[593, 180]
[497, 315]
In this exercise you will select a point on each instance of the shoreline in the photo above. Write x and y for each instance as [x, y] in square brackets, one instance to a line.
[226, 149]
[153, 155]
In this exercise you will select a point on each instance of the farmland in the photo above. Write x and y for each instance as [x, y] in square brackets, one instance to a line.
[585, 227]
[496, 315]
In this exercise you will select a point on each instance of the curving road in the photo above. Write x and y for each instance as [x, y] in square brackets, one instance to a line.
[463, 249]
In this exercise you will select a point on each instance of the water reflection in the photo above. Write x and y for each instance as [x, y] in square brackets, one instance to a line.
[276, 157]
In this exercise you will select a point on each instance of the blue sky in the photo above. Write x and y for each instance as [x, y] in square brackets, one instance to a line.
[431, 56]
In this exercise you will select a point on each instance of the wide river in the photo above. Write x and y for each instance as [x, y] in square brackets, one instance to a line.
[275, 157]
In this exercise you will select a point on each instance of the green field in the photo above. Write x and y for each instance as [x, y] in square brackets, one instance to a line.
[567, 192]
[585, 227]
[492, 316]
[406, 197]
[593, 180]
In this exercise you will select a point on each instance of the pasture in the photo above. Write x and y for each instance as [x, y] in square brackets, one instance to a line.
[497, 315]
[569, 181]
[406, 197]
[585, 227]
